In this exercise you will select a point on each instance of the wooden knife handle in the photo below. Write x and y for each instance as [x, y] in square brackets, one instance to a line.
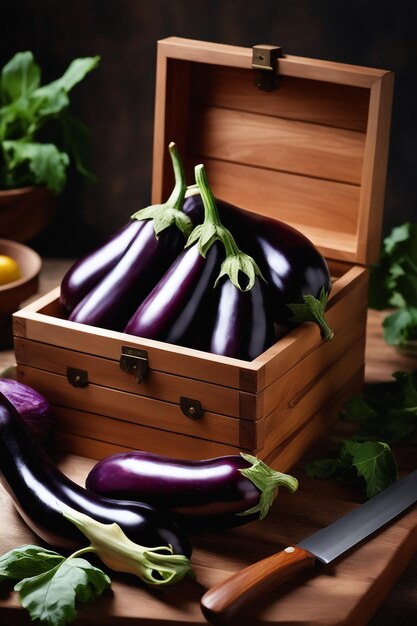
[223, 601]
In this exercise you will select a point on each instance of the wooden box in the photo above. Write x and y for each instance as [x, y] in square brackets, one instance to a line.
[312, 152]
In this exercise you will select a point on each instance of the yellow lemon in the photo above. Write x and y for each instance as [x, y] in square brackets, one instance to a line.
[9, 270]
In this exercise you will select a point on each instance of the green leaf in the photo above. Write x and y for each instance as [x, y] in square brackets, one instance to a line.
[75, 73]
[368, 465]
[408, 391]
[386, 411]
[50, 597]
[45, 162]
[374, 462]
[393, 284]
[52, 98]
[398, 235]
[399, 326]
[19, 77]
[27, 561]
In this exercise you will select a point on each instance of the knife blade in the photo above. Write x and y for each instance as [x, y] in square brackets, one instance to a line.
[224, 600]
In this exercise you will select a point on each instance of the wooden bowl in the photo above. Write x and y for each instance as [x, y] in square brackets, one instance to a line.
[25, 212]
[14, 293]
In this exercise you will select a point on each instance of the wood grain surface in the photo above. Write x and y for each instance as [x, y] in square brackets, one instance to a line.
[358, 589]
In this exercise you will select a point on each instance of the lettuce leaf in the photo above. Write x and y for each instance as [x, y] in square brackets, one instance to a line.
[369, 465]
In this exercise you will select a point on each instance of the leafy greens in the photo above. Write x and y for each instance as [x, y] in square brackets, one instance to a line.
[28, 110]
[49, 584]
[393, 284]
[386, 411]
[371, 464]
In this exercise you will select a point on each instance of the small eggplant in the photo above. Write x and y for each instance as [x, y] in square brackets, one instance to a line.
[33, 408]
[223, 491]
[243, 326]
[296, 273]
[88, 271]
[156, 241]
[40, 493]
[182, 303]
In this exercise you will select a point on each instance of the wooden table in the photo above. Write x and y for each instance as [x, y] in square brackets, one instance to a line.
[381, 361]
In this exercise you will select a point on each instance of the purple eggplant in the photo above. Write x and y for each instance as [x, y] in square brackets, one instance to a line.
[243, 326]
[34, 409]
[296, 273]
[223, 491]
[114, 281]
[180, 308]
[87, 272]
[39, 491]
[112, 302]
[182, 304]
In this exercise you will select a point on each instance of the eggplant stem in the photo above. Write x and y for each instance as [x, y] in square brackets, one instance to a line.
[212, 229]
[169, 212]
[267, 481]
[155, 566]
[312, 310]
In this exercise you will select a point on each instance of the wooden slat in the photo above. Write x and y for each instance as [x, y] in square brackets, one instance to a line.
[342, 218]
[371, 206]
[317, 102]
[325, 211]
[97, 436]
[292, 449]
[317, 393]
[149, 412]
[107, 373]
[236, 56]
[349, 292]
[287, 390]
[273, 143]
[33, 324]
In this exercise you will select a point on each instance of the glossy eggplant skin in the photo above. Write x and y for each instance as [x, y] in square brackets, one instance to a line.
[180, 307]
[88, 271]
[111, 303]
[289, 261]
[243, 326]
[201, 494]
[37, 488]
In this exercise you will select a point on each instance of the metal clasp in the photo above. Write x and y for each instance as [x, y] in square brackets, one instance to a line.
[265, 59]
[191, 408]
[76, 377]
[134, 361]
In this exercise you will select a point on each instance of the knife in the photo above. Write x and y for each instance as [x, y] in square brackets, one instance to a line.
[223, 602]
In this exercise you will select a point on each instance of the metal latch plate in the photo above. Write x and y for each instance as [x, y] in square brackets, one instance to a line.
[265, 58]
[77, 377]
[191, 408]
[134, 361]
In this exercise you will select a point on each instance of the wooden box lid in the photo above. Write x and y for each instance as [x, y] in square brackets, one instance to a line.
[312, 153]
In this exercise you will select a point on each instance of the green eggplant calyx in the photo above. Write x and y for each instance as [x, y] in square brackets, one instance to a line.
[155, 566]
[312, 310]
[169, 212]
[267, 481]
[204, 235]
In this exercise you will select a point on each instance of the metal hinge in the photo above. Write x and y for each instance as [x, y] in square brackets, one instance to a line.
[134, 361]
[265, 60]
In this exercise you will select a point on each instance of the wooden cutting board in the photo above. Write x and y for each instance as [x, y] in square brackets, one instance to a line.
[348, 592]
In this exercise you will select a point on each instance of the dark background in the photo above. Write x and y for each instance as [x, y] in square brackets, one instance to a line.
[116, 100]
